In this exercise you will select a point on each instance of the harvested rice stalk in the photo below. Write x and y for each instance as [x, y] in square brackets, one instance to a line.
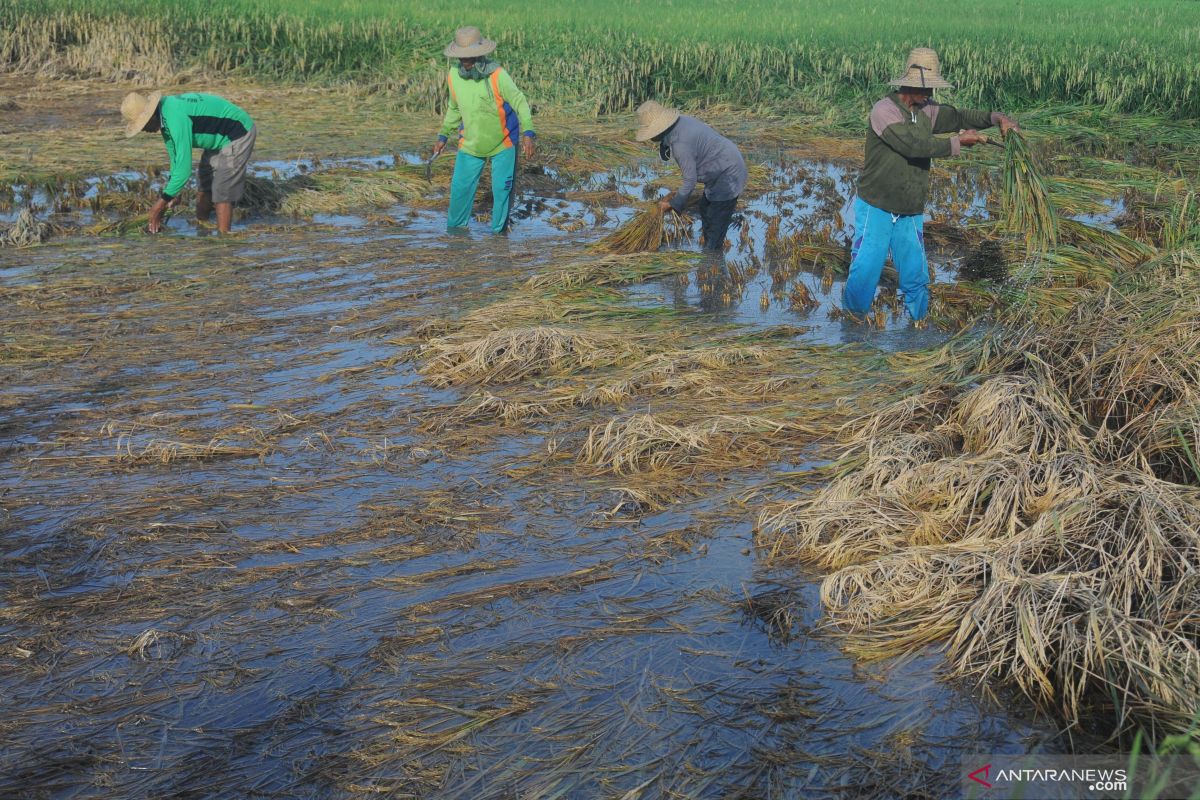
[835, 532]
[649, 230]
[906, 600]
[487, 407]
[613, 270]
[670, 373]
[26, 231]
[513, 354]
[126, 225]
[641, 443]
[1012, 414]
[1105, 243]
[1025, 203]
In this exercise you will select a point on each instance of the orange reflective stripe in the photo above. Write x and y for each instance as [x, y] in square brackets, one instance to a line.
[500, 108]
[450, 83]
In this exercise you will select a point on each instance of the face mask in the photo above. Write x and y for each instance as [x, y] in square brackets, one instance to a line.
[482, 68]
[664, 150]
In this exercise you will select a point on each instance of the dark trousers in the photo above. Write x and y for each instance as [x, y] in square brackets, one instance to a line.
[714, 221]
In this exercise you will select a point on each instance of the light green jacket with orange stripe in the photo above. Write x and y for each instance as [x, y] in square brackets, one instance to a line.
[489, 114]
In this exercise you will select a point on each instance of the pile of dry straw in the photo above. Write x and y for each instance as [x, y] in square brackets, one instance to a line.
[1036, 508]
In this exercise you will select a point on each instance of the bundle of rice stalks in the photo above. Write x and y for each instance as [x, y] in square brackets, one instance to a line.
[1071, 267]
[1014, 415]
[125, 225]
[1042, 633]
[649, 230]
[613, 270]
[672, 373]
[1105, 243]
[872, 465]
[641, 443]
[1025, 203]
[834, 532]
[26, 231]
[514, 354]
[956, 305]
[801, 299]
[1167, 442]
[336, 191]
[811, 250]
[487, 407]
[917, 412]
[906, 600]
[266, 195]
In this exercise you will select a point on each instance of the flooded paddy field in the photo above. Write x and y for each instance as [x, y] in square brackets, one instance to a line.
[348, 506]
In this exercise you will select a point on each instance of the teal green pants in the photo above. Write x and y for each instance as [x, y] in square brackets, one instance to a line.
[467, 169]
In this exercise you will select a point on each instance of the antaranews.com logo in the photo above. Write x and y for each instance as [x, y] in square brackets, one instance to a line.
[1049, 777]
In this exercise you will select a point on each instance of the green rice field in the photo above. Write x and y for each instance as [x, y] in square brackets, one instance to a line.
[608, 55]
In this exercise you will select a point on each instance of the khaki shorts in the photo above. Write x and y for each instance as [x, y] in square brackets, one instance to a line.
[223, 172]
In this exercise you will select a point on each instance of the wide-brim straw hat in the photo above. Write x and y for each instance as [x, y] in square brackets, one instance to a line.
[137, 109]
[653, 119]
[469, 43]
[922, 70]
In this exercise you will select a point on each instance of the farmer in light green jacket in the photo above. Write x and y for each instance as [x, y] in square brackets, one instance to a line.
[489, 114]
[221, 129]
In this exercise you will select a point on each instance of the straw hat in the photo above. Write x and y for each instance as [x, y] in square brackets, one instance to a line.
[922, 71]
[469, 43]
[137, 109]
[653, 119]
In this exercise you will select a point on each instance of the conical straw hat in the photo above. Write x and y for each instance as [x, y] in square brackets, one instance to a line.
[137, 109]
[469, 43]
[922, 71]
[653, 119]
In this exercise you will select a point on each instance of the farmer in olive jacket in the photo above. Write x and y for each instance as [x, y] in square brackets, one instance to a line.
[489, 114]
[221, 129]
[892, 190]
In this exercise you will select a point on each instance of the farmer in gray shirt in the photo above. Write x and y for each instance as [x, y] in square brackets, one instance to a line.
[704, 156]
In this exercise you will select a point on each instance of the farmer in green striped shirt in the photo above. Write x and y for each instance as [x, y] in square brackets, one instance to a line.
[222, 130]
[490, 115]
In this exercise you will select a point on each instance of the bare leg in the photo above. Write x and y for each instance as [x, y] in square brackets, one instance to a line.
[224, 217]
[204, 206]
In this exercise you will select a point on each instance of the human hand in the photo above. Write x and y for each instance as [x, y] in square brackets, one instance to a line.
[155, 224]
[1007, 124]
[438, 147]
[664, 205]
[970, 138]
[527, 146]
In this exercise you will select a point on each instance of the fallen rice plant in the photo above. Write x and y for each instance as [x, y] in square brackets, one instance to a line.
[649, 230]
[1025, 203]
[642, 443]
[26, 231]
[1043, 520]
[514, 354]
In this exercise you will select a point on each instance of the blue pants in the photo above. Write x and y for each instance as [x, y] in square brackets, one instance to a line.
[467, 169]
[875, 233]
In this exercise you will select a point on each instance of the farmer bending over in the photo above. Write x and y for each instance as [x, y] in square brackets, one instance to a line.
[890, 207]
[222, 130]
[703, 155]
[489, 113]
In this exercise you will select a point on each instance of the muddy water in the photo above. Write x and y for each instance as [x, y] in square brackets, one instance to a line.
[343, 604]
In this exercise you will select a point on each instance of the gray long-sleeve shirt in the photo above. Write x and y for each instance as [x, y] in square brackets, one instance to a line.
[707, 157]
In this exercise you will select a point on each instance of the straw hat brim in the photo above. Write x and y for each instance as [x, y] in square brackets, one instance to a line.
[657, 125]
[485, 47]
[914, 82]
[134, 126]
